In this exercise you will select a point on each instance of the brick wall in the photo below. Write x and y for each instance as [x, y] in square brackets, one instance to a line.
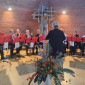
[21, 15]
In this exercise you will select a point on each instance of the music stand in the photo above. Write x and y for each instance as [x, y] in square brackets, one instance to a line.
[79, 39]
[7, 39]
[42, 38]
[74, 39]
[1, 39]
[16, 39]
[28, 40]
[69, 38]
[23, 34]
[34, 39]
[2, 34]
[22, 38]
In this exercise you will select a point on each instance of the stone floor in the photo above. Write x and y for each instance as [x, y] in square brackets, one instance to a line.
[17, 70]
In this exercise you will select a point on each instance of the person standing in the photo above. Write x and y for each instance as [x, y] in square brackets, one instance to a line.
[18, 34]
[83, 45]
[76, 34]
[77, 44]
[38, 43]
[65, 42]
[72, 47]
[28, 44]
[56, 38]
[12, 36]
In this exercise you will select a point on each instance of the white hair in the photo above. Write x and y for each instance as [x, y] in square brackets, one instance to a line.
[55, 24]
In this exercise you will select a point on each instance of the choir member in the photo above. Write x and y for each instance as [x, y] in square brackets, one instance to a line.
[1, 51]
[18, 34]
[28, 44]
[33, 44]
[76, 44]
[12, 36]
[72, 47]
[76, 34]
[83, 46]
[38, 43]
[65, 43]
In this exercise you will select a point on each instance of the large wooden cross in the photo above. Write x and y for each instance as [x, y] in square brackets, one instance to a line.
[44, 15]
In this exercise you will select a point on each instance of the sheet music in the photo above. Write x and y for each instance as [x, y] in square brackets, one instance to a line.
[71, 43]
[31, 45]
[5, 45]
[17, 45]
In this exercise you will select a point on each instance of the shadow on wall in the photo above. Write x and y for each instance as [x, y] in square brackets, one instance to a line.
[4, 78]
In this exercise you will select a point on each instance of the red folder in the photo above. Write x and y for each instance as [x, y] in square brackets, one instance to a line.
[16, 39]
[2, 34]
[79, 39]
[23, 34]
[1, 39]
[7, 38]
[74, 39]
[34, 39]
[42, 38]
[28, 40]
[69, 38]
[22, 38]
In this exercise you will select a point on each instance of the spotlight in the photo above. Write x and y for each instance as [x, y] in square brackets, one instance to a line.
[64, 12]
[10, 9]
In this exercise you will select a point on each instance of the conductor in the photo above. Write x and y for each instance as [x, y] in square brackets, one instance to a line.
[56, 38]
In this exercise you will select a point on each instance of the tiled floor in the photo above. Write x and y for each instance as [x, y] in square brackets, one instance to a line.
[17, 70]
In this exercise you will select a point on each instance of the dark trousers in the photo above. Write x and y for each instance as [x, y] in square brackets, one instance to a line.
[20, 48]
[72, 50]
[54, 52]
[27, 47]
[11, 49]
[1, 52]
[65, 46]
[83, 47]
[77, 45]
[38, 45]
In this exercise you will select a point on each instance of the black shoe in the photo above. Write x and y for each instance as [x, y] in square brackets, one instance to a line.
[20, 55]
[83, 55]
[36, 53]
[11, 56]
[2, 58]
[27, 54]
[32, 53]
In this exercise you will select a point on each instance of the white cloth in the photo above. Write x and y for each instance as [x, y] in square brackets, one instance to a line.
[5, 45]
[71, 43]
[17, 45]
[83, 37]
[65, 39]
[48, 80]
[31, 45]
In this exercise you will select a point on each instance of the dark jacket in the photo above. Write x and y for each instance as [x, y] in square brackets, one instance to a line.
[56, 38]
